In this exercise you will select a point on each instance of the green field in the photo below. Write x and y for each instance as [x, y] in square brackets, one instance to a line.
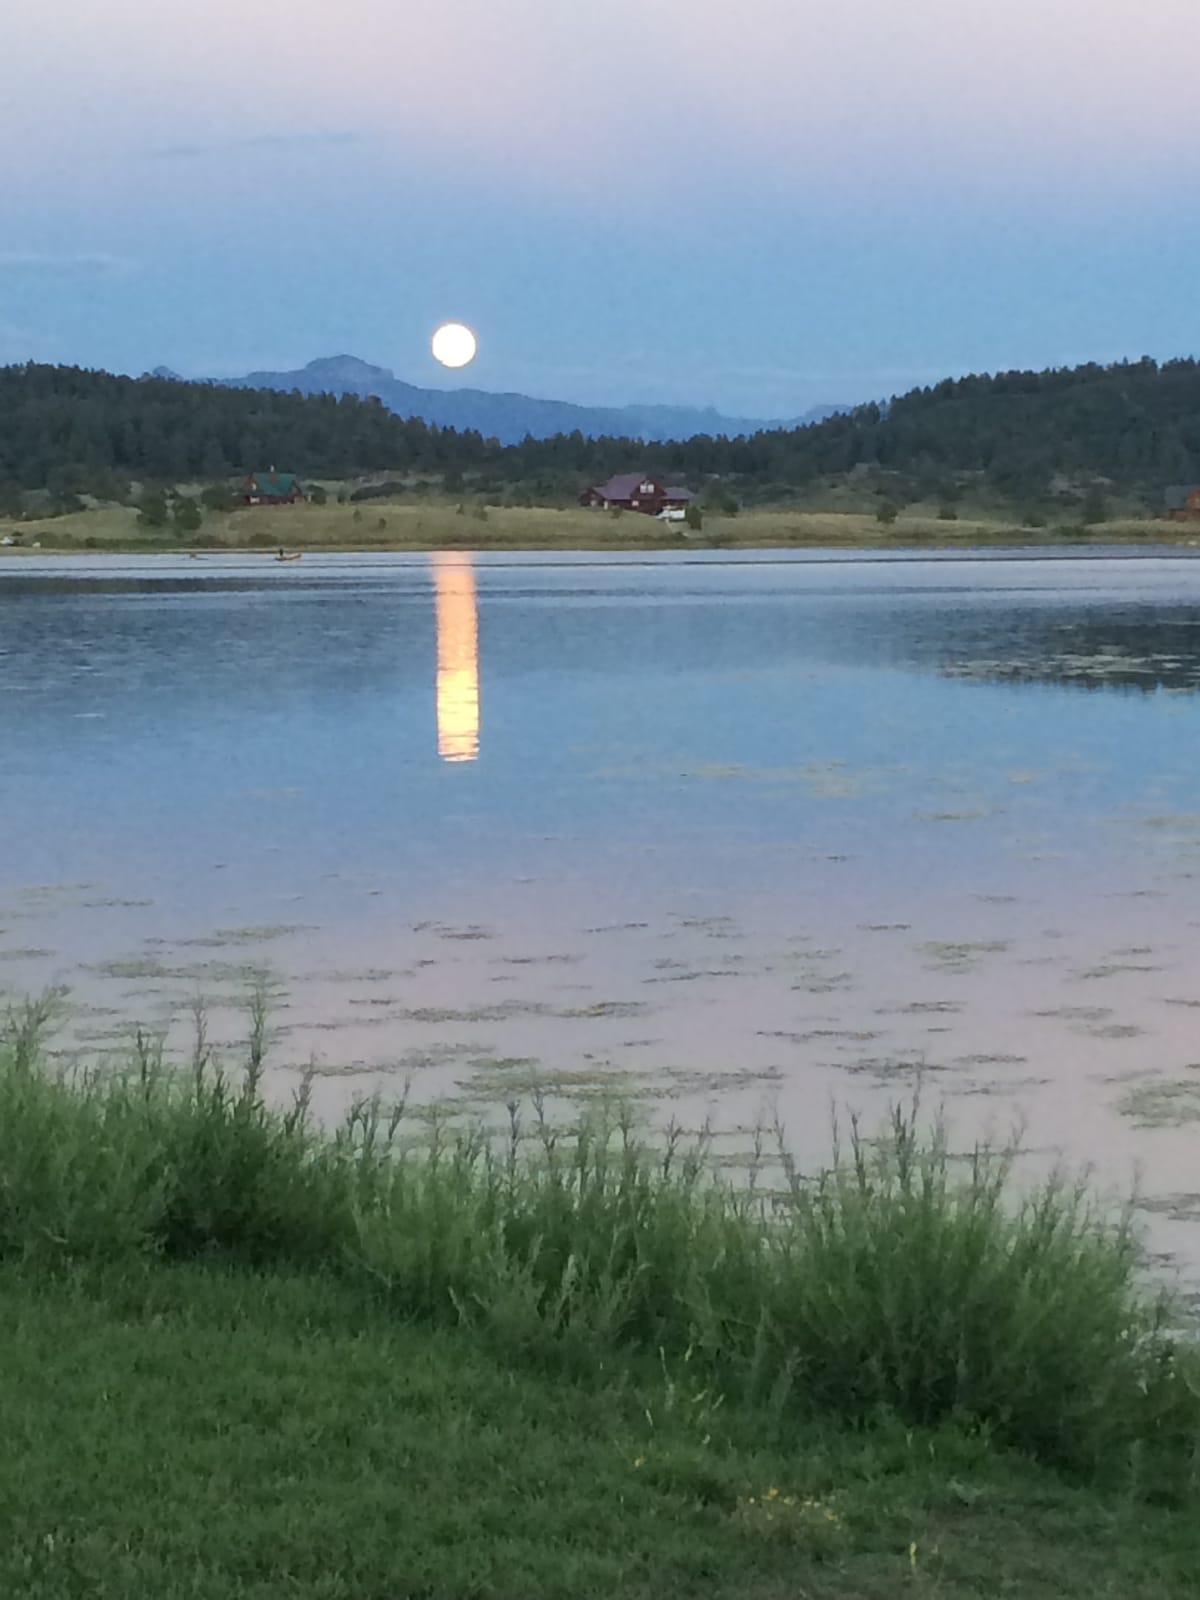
[248, 1358]
[433, 524]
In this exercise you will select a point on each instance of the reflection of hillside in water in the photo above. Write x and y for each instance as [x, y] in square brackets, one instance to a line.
[1087, 652]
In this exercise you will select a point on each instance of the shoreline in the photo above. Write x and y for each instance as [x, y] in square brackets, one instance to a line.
[391, 1346]
[421, 527]
[699, 552]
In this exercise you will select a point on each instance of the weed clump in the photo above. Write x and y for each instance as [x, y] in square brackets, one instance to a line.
[900, 1283]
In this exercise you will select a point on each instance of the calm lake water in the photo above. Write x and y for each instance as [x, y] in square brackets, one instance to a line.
[733, 835]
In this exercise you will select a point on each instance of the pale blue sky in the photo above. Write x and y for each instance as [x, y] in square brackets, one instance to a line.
[762, 206]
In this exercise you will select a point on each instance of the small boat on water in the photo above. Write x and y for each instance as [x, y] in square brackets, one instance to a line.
[289, 555]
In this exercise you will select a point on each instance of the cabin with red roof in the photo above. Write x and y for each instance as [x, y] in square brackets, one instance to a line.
[636, 491]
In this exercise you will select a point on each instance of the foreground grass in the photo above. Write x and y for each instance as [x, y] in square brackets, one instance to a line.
[246, 1357]
[433, 524]
[208, 1432]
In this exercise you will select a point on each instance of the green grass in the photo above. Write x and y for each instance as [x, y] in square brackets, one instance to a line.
[437, 522]
[246, 1358]
[898, 1282]
[204, 1432]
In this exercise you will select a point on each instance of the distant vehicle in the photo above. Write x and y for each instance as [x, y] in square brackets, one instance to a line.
[671, 514]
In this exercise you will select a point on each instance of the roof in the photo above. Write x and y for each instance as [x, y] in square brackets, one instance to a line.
[623, 486]
[677, 492]
[1178, 495]
[274, 482]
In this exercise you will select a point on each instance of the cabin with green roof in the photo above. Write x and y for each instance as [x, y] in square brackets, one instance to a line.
[271, 488]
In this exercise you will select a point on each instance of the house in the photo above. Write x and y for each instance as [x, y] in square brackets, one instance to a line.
[636, 491]
[271, 489]
[1183, 502]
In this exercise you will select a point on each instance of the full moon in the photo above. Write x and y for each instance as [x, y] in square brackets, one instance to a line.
[454, 345]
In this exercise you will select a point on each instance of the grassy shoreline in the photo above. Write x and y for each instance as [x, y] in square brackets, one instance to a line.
[248, 1357]
[196, 1431]
[433, 524]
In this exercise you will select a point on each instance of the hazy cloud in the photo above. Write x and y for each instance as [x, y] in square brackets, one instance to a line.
[320, 139]
[65, 263]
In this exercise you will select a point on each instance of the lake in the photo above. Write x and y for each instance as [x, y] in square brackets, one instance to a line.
[737, 836]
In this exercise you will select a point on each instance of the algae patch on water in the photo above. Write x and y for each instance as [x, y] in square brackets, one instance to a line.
[255, 934]
[1163, 1102]
[958, 956]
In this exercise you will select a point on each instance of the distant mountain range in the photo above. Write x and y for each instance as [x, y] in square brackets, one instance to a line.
[507, 417]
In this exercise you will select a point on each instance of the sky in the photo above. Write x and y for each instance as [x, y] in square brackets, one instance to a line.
[762, 206]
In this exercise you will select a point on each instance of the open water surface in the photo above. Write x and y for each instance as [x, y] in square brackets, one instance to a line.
[731, 835]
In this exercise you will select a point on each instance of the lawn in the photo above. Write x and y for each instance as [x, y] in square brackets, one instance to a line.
[209, 1433]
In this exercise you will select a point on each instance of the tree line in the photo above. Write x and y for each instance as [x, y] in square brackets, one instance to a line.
[70, 431]
[1132, 426]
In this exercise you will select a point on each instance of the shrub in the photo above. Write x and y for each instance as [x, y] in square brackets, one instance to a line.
[1094, 508]
[722, 503]
[694, 517]
[152, 510]
[386, 490]
[887, 512]
[186, 515]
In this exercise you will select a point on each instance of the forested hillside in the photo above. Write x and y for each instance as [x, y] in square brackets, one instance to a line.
[73, 431]
[1022, 437]
[1025, 434]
